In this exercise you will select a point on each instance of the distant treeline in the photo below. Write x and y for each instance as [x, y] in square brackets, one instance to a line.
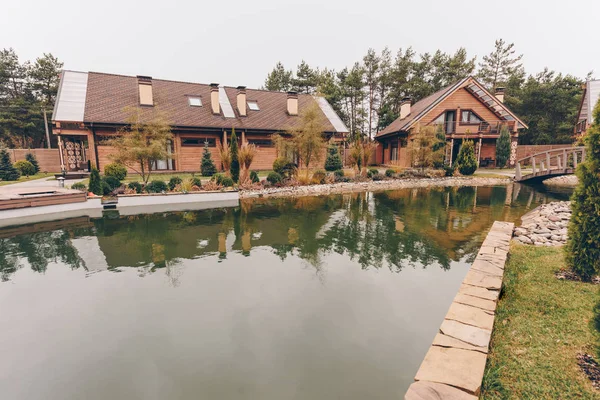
[368, 94]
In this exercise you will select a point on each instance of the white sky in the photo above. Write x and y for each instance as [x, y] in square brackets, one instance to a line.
[238, 42]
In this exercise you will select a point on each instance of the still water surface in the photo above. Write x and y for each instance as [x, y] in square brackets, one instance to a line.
[313, 298]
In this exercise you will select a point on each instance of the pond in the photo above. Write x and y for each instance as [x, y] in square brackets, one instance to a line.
[307, 298]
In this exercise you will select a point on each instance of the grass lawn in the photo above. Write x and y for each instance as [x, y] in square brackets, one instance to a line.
[28, 178]
[542, 323]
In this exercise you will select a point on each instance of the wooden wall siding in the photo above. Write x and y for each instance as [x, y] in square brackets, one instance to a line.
[488, 150]
[190, 158]
[465, 101]
[48, 159]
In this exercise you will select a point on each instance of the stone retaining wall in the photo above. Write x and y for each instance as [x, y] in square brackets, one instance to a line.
[454, 365]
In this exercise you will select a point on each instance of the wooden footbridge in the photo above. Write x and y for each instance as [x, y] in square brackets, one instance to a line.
[549, 164]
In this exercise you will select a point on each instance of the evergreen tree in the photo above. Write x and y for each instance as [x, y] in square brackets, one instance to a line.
[207, 166]
[333, 162]
[33, 160]
[306, 79]
[95, 185]
[583, 245]
[7, 171]
[503, 147]
[466, 160]
[235, 162]
[500, 64]
[279, 79]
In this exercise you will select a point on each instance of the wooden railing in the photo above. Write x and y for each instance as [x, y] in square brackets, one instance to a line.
[551, 162]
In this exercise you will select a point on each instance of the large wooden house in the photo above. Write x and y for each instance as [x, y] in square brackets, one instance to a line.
[464, 110]
[91, 107]
[585, 116]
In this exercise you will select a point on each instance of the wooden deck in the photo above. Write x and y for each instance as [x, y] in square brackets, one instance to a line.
[12, 198]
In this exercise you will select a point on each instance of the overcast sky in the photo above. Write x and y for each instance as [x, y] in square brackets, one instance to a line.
[238, 42]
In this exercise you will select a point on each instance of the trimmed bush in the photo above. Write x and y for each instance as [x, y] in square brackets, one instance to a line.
[235, 161]
[95, 182]
[284, 167]
[449, 170]
[372, 172]
[254, 177]
[466, 161]
[227, 181]
[378, 177]
[33, 160]
[218, 178]
[25, 167]
[79, 186]
[207, 166]
[503, 147]
[343, 179]
[173, 182]
[135, 186]
[318, 177]
[333, 162]
[196, 181]
[156, 187]
[112, 182]
[7, 171]
[339, 173]
[115, 170]
[274, 178]
[389, 173]
[583, 244]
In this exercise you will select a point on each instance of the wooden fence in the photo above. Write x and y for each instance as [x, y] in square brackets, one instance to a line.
[48, 159]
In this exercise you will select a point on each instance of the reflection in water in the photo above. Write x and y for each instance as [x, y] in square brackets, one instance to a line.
[395, 229]
[311, 298]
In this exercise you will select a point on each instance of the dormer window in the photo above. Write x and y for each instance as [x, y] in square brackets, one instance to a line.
[253, 105]
[195, 101]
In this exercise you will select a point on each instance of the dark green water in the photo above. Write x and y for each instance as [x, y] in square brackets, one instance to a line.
[314, 298]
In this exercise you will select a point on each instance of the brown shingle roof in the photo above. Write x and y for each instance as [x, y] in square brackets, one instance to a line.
[417, 110]
[109, 96]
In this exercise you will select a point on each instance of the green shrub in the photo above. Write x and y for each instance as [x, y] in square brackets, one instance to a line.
[274, 178]
[583, 245]
[173, 182]
[7, 171]
[218, 178]
[33, 160]
[377, 177]
[156, 186]
[333, 162]
[254, 177]
[339, 173]
[343, 179]
[115, 170]
[389, 173]
[135, 186]
[318, 177]
[196, 181]
[284, 167]
[466, 160]
[372, 172]
[227, 181]
[234, 168]
[112, 182]
[95, 183]
[106, 189]
[449, 170]
[207, 166]
[79, 186]
[25, 167]
[503, 147]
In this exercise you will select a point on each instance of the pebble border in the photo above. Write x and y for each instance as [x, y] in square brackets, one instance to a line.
[453, 367]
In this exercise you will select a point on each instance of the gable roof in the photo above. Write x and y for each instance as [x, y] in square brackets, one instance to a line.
[591, 96]
[423, 106]
[108, 96]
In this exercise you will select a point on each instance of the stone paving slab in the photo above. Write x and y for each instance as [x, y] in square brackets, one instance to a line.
[481, 279]
[487, 267]
[466, 333]
[460, 368]
[424, 390]
[470, 315]
[448, 341]
[479, 292]
[486, 305]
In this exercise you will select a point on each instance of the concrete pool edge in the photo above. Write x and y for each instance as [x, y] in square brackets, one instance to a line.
[454, 365]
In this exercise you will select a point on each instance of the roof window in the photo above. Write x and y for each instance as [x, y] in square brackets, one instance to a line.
[195, 101]
[253, 105]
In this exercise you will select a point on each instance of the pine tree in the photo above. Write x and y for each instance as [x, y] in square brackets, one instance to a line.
[500, 64]
[466, 160]
[279, 79]
[7, 171]
[583, 245]
[95, 185]
[33, 160]
[333, 162]
[235, 162]
[207, 167]
[503, 147]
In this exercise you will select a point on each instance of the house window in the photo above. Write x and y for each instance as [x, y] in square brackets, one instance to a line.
[469, 117]
[394, 153]
[261, 142]
[195, 101]
[197, 142]
[253, 105]
[162, 165]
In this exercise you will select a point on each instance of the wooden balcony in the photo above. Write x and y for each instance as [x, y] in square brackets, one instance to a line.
[485, 128]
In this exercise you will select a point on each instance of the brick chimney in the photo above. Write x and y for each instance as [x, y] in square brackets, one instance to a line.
[405, 107]
[145, 90]
[499, 94]
[292, 103]
[214, 98]
[241, 101]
